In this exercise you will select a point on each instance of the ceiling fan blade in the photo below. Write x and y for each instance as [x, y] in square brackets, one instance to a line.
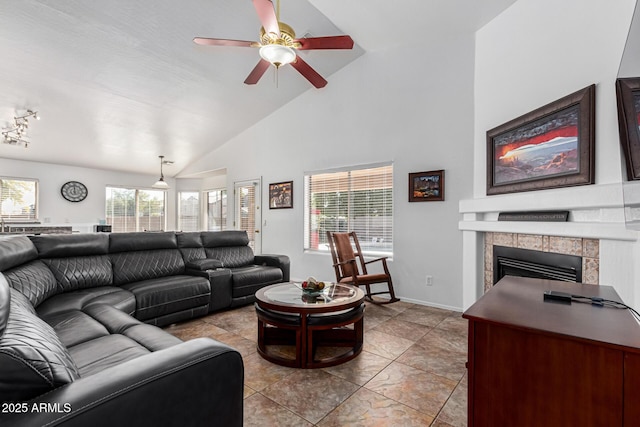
[257, 72]
[330, 42]
[205, 41]
[309, 73]
[267, 16]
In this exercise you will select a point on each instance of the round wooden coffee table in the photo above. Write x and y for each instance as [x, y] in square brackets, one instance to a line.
[333, 319]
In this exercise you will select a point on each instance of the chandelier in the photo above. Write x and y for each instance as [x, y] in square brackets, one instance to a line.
[17, 133]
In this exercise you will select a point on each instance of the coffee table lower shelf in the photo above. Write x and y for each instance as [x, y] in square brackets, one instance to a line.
[318, 339]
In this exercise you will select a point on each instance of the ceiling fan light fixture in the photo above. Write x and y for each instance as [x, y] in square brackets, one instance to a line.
[277, 54]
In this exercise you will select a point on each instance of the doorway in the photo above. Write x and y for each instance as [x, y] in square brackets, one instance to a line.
[248, 215]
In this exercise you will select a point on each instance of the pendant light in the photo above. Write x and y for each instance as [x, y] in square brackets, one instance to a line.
[160, 184]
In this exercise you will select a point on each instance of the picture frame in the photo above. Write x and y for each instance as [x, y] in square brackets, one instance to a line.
[550, 147]
[426, 186]
[281, 195]
[628, 100]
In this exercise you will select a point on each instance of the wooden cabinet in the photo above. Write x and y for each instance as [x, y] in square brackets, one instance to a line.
[535, 363]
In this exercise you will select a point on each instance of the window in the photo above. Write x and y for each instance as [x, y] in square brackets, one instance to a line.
[135, 210]
[354, 199]
[217, 210]
[18, 199]
[189, 211]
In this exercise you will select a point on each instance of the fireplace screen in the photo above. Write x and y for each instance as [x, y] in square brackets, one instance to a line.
[528, 263]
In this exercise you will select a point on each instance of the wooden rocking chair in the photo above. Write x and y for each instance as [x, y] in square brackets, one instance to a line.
[346, 267]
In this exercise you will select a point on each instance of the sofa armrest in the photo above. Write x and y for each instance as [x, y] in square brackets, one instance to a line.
[280, 261]
[204, 264]
[221, 286]
[198, 382]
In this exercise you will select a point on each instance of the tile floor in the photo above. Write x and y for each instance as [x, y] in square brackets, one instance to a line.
[411, 372]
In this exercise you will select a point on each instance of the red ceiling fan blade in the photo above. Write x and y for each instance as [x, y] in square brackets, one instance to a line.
[205, 41]
[309, 73]
[267, 16]
[330, 42]
[257, 72]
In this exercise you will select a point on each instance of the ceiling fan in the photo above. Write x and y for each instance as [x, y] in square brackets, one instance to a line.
[278, 45]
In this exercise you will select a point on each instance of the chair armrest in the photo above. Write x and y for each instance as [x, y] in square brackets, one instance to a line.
[280, 261]
[349, 261]
[383, 259]
[198, 382]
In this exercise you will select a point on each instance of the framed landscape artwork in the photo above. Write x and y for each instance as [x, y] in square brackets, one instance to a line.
[281, 195]
[628, 96]
[550, 147]
[426, 186]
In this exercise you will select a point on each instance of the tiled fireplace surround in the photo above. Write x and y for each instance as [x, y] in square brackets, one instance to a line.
[588, 249]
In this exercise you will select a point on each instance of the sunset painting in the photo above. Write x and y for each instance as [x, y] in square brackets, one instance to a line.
[544, 148]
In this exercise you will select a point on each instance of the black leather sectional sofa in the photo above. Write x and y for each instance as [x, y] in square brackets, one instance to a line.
[77, 341]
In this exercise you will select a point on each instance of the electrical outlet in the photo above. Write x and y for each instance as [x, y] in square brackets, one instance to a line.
[429, 280]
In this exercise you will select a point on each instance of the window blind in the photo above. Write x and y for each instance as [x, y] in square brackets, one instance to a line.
[189, 211]
[246, 219]
[135, 209]
[18, 199]
[217, 210]
[357, 199]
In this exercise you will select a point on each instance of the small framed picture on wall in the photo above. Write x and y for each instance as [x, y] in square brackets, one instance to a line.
[426, 186]
[281, 195]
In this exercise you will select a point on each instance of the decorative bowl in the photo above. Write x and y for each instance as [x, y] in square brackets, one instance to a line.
[312, 292]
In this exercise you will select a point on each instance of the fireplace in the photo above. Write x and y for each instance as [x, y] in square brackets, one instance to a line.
[530, 263]
[582, 248]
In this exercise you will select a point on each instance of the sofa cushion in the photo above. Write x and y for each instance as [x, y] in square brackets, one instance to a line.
[231, 257]
[75, 327]
[5, 297]
[164, 295]
[189, 240]
[111, 337]
[79, 300]
[70, 245]
[83, 332]
[247, 280]
[117, 322]
[142, 241]
[32, 358]
[16, 250]
[135, 266]
[104, 352]
[34, 280]
[79, 272]
[227, 238]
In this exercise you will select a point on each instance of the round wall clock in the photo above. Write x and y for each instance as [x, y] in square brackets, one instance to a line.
[74, 191]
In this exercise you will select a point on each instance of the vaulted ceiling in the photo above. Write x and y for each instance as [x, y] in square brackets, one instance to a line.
[119, 82]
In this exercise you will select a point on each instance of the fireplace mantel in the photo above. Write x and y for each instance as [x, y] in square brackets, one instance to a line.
[596, 214]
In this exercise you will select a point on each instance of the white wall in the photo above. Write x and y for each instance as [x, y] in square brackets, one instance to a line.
[538, 51]
[630, 64]
[81, 215]
[413, 106]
